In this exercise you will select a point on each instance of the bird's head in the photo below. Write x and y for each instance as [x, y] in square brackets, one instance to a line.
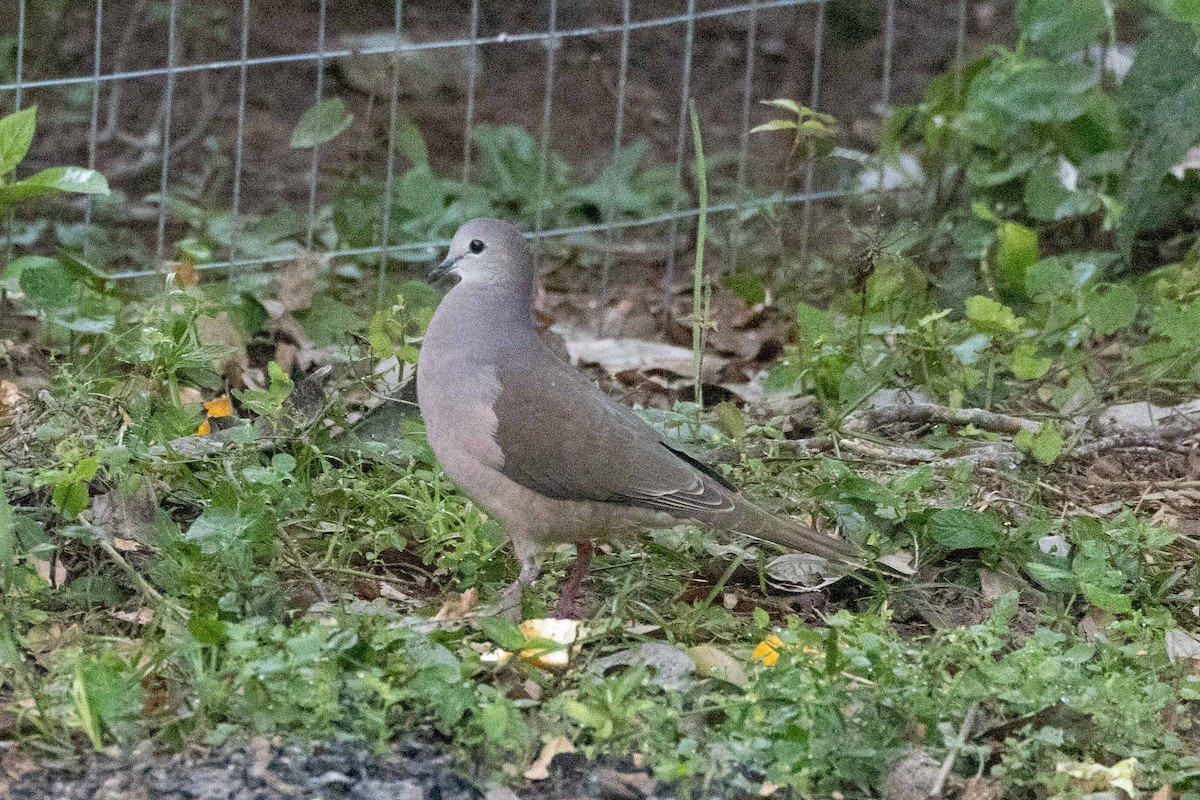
[488, 252]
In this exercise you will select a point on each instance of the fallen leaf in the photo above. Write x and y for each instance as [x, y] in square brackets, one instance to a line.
[800, 573]
[670, 664]
[9, 398]
[539, 770]
[1183, 646]
[298, 281]
[994, 585]
[142, 616]
[392, 593]
[50, 570]
[127, 518]
[714, 662]
[900, 561]
[456, 606]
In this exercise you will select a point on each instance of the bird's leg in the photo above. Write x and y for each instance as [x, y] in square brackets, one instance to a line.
[568, 593]
[510, 601]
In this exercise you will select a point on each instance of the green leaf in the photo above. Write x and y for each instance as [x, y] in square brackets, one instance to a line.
[1111, 308]
[962, 529]
[503, 632]
[1060, 277]
[1045, 446]
[1164, 86]
[1054, 579]
[45, 281]
[410, 143]
[1049, 198]
[1186, 11]
[787, 105]
[55, 179]
[16, 135]
[747, 286]
[1056, 28]
[1030, 90]
[988, 316]
[1106, 599]
[1026, 365]
[1016, 250]
[774, 125]
[321, 123]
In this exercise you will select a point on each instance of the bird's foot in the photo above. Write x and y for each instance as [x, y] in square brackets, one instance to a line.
[568, 594]
[510, 601]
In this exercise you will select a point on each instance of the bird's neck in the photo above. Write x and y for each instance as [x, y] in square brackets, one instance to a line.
[487, 314]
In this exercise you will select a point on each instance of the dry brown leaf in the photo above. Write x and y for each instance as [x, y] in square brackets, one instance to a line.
[298, 281]
[539, 770]
[185, 273]
[714, 662]
[219, 331]
[51, 570]
[142, 616]
[10, 397]
[456, 606]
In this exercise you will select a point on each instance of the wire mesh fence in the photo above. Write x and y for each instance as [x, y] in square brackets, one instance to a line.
[154, 63]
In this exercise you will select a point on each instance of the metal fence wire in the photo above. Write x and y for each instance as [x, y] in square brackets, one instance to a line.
[126, 31]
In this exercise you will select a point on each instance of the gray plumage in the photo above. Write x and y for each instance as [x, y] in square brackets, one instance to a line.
[536, 444]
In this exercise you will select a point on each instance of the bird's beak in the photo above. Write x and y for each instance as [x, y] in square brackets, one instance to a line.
[441, 271]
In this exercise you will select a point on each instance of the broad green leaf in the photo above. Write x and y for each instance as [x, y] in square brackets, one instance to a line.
[1054, 579]
[786, 105]
[503, 632]
[988, 316]
[1106, 599]
[321, 123]
[774, 125]
[1186, 11]
[1048, 197]
[1063, 276]
[1027, 365]
[1016, 250]
[1111, 308]
[1030, 90]
[410, 143]
[55, 179]
[45, 281]
[1045, 446]
[1056, 28]
[1164, 86]
[16, 135]
[963, 529]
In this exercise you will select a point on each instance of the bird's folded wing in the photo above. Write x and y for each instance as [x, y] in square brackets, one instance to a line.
[563, 438]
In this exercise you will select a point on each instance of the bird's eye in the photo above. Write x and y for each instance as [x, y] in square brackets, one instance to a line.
[477, 246]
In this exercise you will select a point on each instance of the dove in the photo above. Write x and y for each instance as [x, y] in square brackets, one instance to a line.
[537, 445]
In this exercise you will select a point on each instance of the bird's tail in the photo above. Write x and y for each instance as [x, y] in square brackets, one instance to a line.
[752, 521]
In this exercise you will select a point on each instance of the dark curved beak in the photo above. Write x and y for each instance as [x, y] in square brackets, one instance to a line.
[441, 271]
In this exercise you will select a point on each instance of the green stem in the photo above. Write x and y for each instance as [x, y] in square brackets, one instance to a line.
[698, 320]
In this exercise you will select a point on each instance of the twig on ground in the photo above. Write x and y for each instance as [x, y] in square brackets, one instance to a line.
[928, 412]
[964, 730]
[152, 594]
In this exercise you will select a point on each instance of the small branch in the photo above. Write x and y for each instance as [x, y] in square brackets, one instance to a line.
[964, 730]
[142, 584]
[930, 413]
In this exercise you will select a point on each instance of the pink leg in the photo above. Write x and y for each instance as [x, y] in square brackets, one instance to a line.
[568, 593]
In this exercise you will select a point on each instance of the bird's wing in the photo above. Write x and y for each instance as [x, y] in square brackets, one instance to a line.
[564, 438]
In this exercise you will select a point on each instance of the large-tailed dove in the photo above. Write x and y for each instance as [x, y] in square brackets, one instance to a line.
[538, 446]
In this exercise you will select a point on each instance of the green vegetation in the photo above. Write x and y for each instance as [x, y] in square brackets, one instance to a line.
[303, 571]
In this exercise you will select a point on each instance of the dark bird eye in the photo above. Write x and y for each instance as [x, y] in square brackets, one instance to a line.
[476, 246]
